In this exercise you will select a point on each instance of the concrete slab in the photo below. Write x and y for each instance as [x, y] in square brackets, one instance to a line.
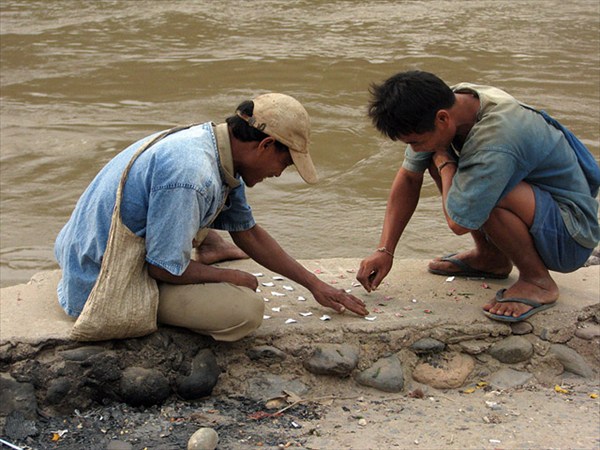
[410, 297]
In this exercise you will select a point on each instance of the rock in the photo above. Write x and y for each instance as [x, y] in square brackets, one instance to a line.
[144, 387]
[449, 372]
[17, 428]
[58, 390]
[571, 360]
[588, 331]
[386, 375]
[203, 439]
[81, 354]
[509, 378]
[474, 347]
[520, 328]
[547, 369]
[427, 345]
[203, 377]
[265, 352]
[512, 349]
[15, 396]
[119, 445]
[268, 386]
[333, 359]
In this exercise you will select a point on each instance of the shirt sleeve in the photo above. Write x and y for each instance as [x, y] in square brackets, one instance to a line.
[237, 214]
[172, 222]
[480, 182]
[416, 162]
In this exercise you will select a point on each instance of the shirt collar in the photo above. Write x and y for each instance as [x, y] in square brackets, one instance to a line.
[224, 147]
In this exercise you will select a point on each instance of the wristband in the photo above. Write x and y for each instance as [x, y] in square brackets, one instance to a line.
[386, 251]
[444, 164]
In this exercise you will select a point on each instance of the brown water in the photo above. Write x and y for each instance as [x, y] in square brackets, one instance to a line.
[82, 79]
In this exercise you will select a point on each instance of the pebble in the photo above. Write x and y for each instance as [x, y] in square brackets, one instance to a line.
[203, 439]
[520, 328]
[588, 332]
[265, 352]
[512, 349]
[333, 359]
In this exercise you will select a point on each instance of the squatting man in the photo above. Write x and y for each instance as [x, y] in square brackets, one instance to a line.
[178, 191]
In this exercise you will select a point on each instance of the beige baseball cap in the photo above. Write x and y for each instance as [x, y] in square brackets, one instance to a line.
[285, 119]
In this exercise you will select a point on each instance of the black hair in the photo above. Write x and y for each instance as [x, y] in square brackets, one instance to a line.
[408, 102]
[243, 131]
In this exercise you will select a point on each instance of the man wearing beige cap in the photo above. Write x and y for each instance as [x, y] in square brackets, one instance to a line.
[178, 190]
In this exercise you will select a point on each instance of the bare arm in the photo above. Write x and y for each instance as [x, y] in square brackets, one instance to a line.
[197, 272]
[263, 249]
[402, 202]
[446, 174]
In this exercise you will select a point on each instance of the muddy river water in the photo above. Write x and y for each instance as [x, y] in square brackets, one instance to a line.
[81, 80]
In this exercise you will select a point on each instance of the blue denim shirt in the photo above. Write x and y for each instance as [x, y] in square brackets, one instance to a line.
[508, 144]
[174, 188]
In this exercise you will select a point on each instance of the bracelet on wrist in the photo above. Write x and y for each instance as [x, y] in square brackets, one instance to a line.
[386, 251]
[444, 164]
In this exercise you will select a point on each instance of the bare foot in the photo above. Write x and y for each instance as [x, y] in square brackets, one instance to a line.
[214, 249]
[523, 289]
[491, 262]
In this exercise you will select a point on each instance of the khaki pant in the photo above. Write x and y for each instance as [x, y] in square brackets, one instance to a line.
[224, 311]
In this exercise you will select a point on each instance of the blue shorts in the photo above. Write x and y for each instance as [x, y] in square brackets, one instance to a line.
[558, 250]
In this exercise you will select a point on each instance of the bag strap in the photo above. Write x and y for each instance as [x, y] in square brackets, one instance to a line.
[144, 147]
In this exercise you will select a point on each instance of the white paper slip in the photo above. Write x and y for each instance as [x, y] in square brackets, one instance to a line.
[268, 284]
[288, 288]
[277, 294]
[301, 299]
[278, 278]
[325, 317]
[258, 274]
[306, 314]
[290, 321]
[276, 309]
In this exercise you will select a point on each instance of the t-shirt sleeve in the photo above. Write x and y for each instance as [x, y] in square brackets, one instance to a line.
[237, 213]
[416, 162]
[482, 179]
[172, 222]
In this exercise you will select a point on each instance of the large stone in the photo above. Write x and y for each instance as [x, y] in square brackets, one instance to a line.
[144, 387]
[571, 360]
[448, 372]
[203, 377]
[427, 345]
[267, 386]
[512, 349]
[333, 359]
[588, 331]
[386, 375]
[15, 396]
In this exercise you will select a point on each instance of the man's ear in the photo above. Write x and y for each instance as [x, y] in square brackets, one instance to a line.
[443, 116]
[266, 143]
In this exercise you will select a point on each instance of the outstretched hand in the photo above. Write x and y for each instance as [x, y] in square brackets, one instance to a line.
[339, 300]
[373, 270]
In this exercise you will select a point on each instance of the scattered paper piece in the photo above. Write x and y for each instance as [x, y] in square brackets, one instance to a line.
[258, 290]
[265, 317]
[495, 441]
[277, 294]
[485, 286]
[301, 299]
[288, 288]
[371, 318]
[306, 314]
[414, 300]
[258, 274]
[449, 279]
[399, 315]
[276, 309]
[560, 390]
[317, 271]
[347, 291]
[355, 284]
[266, 299]
[325, 317]
[278, 278]
[290, 321]
[351, 270]
[268, 284]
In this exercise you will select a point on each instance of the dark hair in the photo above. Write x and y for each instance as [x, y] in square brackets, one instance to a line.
[408, 103]
[243, 131]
